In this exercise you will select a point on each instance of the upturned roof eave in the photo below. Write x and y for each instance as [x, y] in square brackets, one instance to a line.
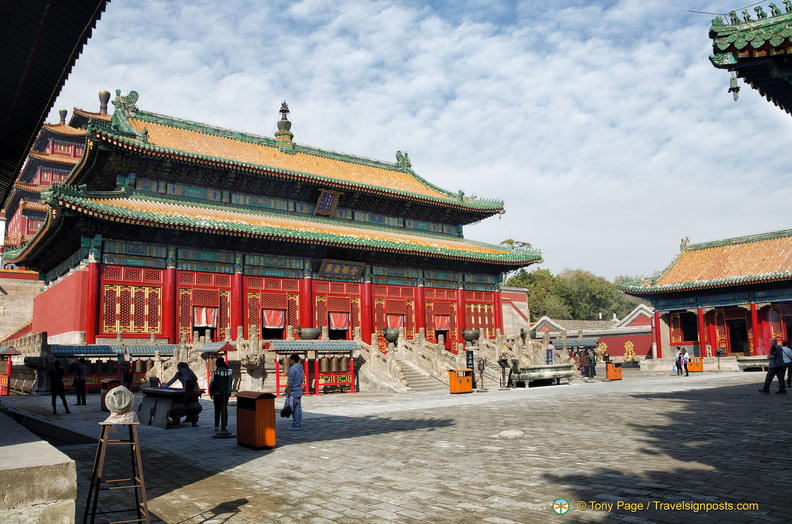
[150, 149]
[698, 285]
[96, 210]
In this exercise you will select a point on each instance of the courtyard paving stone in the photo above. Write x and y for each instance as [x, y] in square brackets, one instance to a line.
[614, 450]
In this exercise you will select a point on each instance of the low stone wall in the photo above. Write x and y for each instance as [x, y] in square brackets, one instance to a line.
[38, 483]
[660, 365]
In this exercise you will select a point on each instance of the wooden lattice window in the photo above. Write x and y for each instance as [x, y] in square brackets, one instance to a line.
[294, 310]
[131, 309]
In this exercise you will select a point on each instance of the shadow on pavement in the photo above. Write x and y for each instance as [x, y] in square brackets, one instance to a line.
[187, 457]
[724, 447]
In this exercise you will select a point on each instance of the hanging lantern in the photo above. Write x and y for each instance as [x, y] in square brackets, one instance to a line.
[734, 88]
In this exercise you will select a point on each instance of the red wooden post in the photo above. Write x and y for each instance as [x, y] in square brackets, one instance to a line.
[498, 311]
[351, 373]
[420, 308]
[169, 306]
[758, 337]
[366, 315]
[461, 314]
[237, 303]
[306, 302]
[702, 332]
[92, 307]
[658, 337]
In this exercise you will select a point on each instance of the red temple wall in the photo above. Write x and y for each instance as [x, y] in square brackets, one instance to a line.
[642, 344]
[640, 320]
[394, 305]
[480, 312]
[132, 301]
[210, 290]
[271, 293]
[337, 297]
[442, 302]
[62, 307]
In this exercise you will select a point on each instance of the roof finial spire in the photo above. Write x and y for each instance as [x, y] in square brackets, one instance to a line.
[62, 113]
[104, 98]
[284, 137]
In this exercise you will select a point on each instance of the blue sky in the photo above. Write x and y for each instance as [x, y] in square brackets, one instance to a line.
[602, 125]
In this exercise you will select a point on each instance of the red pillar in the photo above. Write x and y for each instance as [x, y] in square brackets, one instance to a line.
[420, 308]
[498, 311]
[712, 333]
[306, 303]
[702, 333]
[169, 306]
[237, 303]
[756, 329]
[366, 316]
[657, 336]
[461, 314]
[92, 307]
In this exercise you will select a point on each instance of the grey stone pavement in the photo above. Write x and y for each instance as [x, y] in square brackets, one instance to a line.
[649, 448]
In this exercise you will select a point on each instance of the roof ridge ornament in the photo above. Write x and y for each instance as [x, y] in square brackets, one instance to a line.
[125, 108]
[403, 162]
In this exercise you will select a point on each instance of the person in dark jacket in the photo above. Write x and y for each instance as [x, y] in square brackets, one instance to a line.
[183, 374]
[79, 381]
[57, 389]
[776, 369]
[220, 391]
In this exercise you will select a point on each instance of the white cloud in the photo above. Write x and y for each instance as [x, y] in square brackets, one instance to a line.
[601, 124]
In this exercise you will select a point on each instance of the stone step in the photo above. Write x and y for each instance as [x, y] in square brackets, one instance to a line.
[418, 382]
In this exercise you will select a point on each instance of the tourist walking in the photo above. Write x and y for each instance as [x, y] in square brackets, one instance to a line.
[550, 354]
[786, 356]
[294, 389]
[220, 392]
[678, 364]
[775, 369]
[57, 389]
[684, 359]
[79, 381]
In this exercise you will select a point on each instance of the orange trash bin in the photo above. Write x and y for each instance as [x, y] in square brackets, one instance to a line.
[696, 364]
[460, 380]
[613, 370]
[256, 419]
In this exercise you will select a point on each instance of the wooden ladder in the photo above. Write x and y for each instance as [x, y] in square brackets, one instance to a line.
[135, 482]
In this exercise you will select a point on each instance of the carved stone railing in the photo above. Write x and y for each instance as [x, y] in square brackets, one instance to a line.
[381, 368]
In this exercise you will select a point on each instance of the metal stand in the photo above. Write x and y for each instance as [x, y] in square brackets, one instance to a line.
[136, 480]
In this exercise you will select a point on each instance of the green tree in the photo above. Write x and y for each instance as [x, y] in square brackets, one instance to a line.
[586, 294]
[573, 294]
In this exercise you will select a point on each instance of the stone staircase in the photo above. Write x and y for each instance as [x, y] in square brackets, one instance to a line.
[419, 382]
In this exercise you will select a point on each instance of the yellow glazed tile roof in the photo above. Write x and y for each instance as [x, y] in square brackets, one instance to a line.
[738, 260]
[287, 224]
[173, 214]
[88, 114]
[64, 129]
[49, 157]
[744, 260]
[197, 142]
